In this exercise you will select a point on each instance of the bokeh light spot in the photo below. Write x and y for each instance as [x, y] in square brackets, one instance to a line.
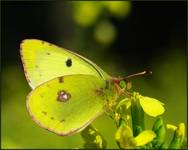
[105, 33]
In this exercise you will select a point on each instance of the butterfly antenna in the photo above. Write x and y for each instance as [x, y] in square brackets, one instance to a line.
[143, 73]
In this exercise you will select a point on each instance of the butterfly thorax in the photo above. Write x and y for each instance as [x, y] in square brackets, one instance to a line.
[112, 92]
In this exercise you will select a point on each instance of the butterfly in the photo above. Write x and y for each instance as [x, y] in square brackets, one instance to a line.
[68, 90]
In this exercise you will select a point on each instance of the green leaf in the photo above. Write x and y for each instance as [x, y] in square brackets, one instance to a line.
[138, 130]
[164, 145]
[157, 124]
[175, 143]
[184, 144]
[92, 138]
[160, 130]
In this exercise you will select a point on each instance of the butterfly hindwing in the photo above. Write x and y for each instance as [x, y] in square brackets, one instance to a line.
[66, 105]
[43, 61]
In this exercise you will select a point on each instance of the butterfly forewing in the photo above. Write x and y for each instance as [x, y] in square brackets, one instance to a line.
[43, 61]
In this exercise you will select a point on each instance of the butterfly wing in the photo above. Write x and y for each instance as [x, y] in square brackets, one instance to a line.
[66, 105]
[43, 61]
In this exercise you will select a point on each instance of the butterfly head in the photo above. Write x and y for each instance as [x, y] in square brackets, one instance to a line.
[125, 83]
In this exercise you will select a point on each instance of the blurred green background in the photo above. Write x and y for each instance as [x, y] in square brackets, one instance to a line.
[121, 37]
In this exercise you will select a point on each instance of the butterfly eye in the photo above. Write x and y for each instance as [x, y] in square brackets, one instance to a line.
[122, 84]
[69, 62]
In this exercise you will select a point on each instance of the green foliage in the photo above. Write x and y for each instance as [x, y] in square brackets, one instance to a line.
[178, 137]
[137, 137]
[137, 115]
[92, 138]
[159, 129]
